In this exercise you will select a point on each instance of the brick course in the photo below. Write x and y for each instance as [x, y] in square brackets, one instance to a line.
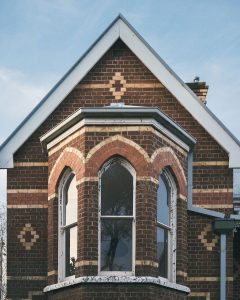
[190, 260]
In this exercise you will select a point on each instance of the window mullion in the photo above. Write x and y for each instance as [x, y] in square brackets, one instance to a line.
[116, 217]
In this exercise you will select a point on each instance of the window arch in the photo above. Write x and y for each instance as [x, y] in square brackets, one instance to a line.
[166, 226]
[117, 218]
[67, 234]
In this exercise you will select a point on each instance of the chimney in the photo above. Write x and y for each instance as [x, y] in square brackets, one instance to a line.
[199, 88]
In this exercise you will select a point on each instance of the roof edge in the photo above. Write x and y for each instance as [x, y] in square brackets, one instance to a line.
[122, 114]
[44, 99]
[120, 28]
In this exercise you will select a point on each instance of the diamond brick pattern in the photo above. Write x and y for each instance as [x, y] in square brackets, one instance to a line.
[118, 84]
[28, 236]
[207, 238]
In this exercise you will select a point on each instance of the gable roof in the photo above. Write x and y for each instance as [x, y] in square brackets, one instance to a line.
[121, 29]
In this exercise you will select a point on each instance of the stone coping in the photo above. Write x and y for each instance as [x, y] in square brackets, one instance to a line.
[118, 279]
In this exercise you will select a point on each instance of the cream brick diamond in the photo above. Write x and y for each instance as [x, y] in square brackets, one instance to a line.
[118, 85]
[28, 230]
[203, 238]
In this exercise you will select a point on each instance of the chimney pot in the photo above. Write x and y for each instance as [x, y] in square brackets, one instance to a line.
[199, 88]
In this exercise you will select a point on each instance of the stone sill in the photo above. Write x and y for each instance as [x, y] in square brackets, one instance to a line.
[118, 279]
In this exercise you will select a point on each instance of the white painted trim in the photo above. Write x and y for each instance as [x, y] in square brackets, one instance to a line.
[121, 279]
[68, 175]
[122, 122]
[182, 93]
[172, 228]
[133, 173]
[56, 96]
[121, 29]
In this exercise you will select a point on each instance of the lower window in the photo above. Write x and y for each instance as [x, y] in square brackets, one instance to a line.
[67, 238]
[166, 226]
[116, 218]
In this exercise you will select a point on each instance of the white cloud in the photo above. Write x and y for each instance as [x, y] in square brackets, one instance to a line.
[18, 96]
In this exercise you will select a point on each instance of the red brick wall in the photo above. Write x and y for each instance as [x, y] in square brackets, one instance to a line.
[118, 59]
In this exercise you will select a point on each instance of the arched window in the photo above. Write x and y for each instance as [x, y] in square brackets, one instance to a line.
[116, 218]
[68, 197]
[166, 226]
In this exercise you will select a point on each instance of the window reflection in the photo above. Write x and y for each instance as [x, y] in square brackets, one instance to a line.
[71, 250]
[70, 224]
[163, 201]
[117, 191]
[163, 224]
[71, 202]
[162, 251]
[116, 217]
[116, 245]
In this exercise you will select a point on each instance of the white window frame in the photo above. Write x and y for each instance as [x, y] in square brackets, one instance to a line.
[126, 165]
[172, 229]
[62, 192]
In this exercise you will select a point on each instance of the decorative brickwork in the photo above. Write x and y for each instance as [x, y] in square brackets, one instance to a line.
[211, 242]
[118, 85]
[119, 76]
[32, 236]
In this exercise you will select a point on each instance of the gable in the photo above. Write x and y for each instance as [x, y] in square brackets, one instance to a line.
[187, 101]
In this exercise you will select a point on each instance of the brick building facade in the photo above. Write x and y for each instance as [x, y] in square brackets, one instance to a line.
[120, 185]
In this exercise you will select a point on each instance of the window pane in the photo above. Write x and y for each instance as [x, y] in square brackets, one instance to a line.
[162, 251]
[116, 245]
[163, 201]
[71, 202]
[71, 250]
[236, 183]
[116, 191]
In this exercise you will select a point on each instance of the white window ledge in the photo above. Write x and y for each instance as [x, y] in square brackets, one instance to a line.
[118, 279]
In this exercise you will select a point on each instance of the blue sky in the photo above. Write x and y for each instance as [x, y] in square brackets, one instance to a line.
[41, 39]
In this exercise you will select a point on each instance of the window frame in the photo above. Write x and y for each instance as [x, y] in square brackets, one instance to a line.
[172, 228]
[64, 184]
[132, 171]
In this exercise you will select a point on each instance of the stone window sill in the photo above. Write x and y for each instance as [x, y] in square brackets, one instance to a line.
[118, 279]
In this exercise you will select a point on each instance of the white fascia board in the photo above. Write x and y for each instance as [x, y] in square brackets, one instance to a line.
[116, 122]
[182, 93]
[121, 29]
[57, 95]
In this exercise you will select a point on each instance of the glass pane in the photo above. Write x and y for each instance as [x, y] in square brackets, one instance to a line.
[71, 250]
[71, 202]
[163, 201]
[116, 191]
[116, 245]
[236, 183]
[162, 251]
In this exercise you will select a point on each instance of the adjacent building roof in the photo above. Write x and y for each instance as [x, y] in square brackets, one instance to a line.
[121, 29]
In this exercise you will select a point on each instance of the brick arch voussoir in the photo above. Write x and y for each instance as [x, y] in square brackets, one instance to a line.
[67, 160]
[168, 160]
[118, 148]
